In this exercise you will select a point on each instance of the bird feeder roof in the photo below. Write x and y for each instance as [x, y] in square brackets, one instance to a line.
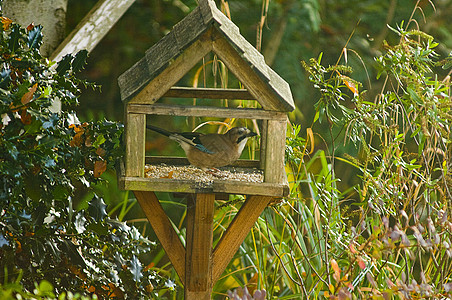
[208, 24]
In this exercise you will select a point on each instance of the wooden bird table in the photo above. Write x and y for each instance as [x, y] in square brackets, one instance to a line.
[204, 31]
[197, 264]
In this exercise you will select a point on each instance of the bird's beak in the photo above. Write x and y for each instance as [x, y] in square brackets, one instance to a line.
[251, 134]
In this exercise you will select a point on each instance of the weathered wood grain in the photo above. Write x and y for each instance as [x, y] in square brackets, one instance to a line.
[274, 171]
[190, 186]
[205, 111]
[135, 143]
[236, 233]
[164, 230]
[200, 212]
[208, 93]
[174, 71]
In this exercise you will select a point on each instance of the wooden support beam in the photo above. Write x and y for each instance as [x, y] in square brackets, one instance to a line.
[205, 111]
[94, 26]
[164, 230]
[198, 267]
[208, 93]
[236, 233]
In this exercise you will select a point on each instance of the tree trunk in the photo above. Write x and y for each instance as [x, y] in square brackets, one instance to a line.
[51, 14]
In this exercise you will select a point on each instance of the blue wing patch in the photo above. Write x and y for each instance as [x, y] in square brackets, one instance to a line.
[203, 149]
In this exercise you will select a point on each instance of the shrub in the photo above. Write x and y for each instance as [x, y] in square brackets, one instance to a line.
[44, 152]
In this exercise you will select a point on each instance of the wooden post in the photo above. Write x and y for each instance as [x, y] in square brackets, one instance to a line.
[274, 152]
[198, 262]
[135, 143]
[198, 266]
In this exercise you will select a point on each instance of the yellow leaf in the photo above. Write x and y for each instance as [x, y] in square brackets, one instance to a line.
[6, 22]
[331, 287]
[351, 86]
[310, 135]
[336, 269]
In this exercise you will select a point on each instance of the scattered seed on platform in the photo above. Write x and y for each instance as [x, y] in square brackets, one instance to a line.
[198, 175]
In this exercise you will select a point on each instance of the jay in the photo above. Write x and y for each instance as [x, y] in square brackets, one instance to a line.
[209, 151]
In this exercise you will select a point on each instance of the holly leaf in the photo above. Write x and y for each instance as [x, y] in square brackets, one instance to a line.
[99, 228]
[51, 122]
[14, 37]
[79, 60]
[5, 78]
[97, 208]
[3, 241]
[64, 64]
[80, 223]
[35, 37]
[135, 269]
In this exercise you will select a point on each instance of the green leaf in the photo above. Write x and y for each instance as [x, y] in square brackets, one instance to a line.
[35, 37]
[13, 42]
[99, 228]
[80, 60]
[135, 269]
[99, 141]
[64, 65]
[5, 77]
[97, 208]
[45, 288]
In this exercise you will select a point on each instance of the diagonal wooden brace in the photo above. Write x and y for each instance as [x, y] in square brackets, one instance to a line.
[236, 233]
[198, 266]
[164, 230]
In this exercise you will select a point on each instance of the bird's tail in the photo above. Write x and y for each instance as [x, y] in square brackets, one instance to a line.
[159, 130]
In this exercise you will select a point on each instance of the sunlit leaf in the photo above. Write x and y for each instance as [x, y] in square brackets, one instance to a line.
[35, 37]
[135, 268]
[6, 22]
[336, 269]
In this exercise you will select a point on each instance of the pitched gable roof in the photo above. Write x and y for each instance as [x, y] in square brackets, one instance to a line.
[277, 94]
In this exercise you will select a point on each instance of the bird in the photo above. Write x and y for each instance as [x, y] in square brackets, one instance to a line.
[210, 151]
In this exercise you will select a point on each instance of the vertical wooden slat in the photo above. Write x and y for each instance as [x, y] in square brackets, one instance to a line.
[274, 152]
[164, 230]
[135, 142]
[198, 268]
[263, 145]
[236, 233]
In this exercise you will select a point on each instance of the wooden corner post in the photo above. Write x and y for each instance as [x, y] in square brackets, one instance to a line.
[135, 143]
